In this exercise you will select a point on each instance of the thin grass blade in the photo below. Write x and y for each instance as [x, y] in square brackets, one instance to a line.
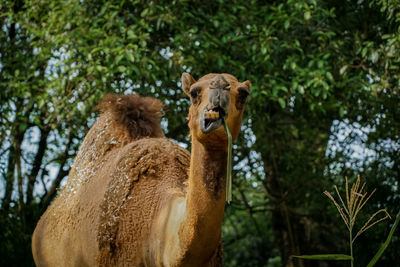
[386, 243]
[229, 165]
[335, 257]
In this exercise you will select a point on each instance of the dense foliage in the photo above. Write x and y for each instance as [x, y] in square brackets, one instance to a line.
[324, 104]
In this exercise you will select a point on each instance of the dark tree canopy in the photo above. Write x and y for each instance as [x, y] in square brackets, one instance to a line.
[324, 105]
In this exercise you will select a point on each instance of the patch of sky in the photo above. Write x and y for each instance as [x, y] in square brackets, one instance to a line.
[181, 144]
[250, 164]
[292, 102]
[164, 125]
[187, 69]
[56, 64]
[130, 87]
[350, 139]
[248, 134]
[166, 53]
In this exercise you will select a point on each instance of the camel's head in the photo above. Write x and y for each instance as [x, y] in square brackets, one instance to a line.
[213, 97]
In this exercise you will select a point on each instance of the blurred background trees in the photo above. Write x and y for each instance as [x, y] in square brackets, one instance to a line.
[324, 105]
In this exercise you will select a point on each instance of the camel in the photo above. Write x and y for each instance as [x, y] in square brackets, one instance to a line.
[135, 198]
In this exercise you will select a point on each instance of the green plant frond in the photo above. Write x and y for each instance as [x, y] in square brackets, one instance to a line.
[229, 164]
[386, 243]
[336, 257]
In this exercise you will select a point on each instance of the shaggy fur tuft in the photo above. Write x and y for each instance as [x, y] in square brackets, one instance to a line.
[139, 115]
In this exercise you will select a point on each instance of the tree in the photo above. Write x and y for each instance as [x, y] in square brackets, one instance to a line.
[318, 68]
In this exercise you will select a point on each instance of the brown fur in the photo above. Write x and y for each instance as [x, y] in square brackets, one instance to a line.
[138, 159]
[131, 198]
[141, 116]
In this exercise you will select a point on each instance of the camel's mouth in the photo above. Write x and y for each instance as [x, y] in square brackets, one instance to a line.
[211, 119]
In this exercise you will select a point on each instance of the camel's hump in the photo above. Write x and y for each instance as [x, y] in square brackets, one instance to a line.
[139, 115]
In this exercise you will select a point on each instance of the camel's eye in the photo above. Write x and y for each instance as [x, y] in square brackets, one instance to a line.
[194, 93]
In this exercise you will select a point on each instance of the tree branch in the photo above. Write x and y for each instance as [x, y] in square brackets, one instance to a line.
[48, 197]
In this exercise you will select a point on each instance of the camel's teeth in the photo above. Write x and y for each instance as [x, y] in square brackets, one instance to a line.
[211, 115]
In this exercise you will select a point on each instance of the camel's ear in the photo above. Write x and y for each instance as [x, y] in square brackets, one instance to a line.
[244, 92]
[247, 84]
[187, 80]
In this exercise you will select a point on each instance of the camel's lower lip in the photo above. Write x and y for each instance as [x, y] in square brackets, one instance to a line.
[208, 125]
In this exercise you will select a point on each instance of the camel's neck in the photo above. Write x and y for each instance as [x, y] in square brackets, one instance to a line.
[188, 229]
[206, 178]
[205, 201]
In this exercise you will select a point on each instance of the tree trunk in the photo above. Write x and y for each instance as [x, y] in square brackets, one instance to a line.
[16, 139]
[281, 220]
[44, 133]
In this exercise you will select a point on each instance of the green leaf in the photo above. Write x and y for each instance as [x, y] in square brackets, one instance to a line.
[220, 62]
[136, 70]
[329, 76]
[301, 89]
[131, 34]
[307, 15]
[282, 102]
[130, 57]
[364, 52]
[121, 68]
[336, 257]
[315, 91]
[118, 59]
[90, 69]
[263, 50]
[386, 243]
[295, 84]
[286, 24]
[325, 85]
[341, 112]
[144, 12]
[23, 126]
